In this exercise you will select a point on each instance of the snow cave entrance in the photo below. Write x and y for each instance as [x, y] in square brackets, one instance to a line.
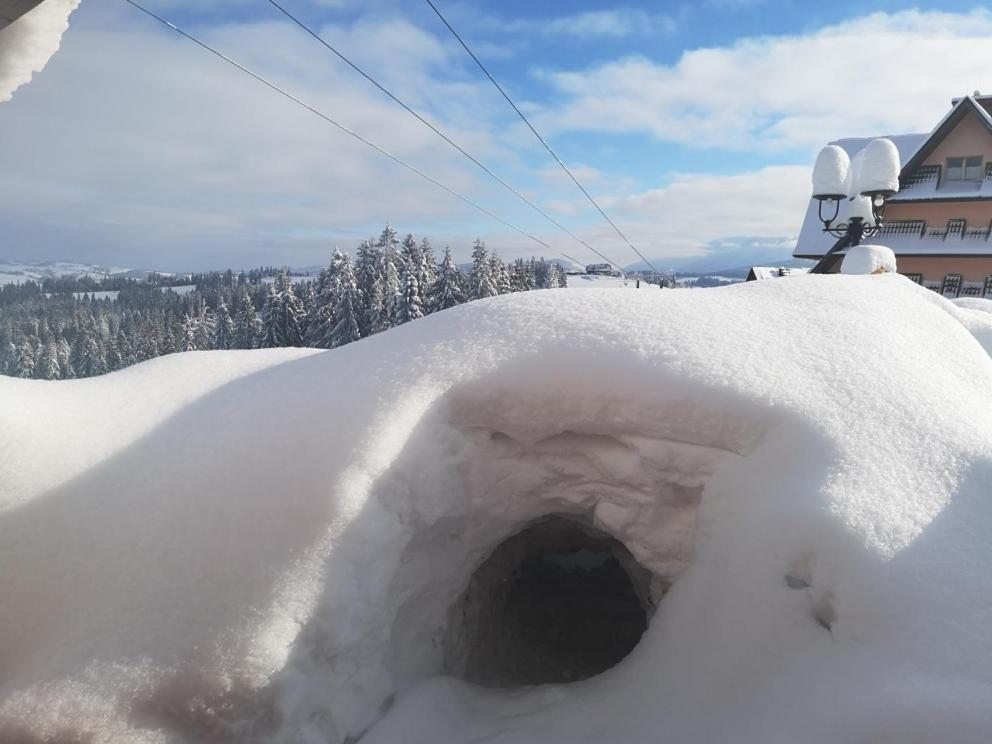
[557, 602]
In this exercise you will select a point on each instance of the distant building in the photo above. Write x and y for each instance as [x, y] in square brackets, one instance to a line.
[939, 223]
[601, 268]
[768, 272]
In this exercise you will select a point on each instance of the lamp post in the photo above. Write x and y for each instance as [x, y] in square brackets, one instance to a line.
[863, 182]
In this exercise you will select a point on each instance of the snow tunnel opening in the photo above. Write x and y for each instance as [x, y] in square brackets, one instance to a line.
[557, 602]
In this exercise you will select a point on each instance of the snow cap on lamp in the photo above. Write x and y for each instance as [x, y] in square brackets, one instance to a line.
[879, 174]
[832, 173]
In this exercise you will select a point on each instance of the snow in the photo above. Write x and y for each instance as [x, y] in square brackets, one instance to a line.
[832, 172]
[28, 43]
[868, 259]
[880, 167]
[15, 272]
[265, 546]
[777, 272]
[598, 281]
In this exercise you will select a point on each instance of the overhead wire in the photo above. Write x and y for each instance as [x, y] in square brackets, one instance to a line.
[345, 129]
[538, 135]
[440, 133]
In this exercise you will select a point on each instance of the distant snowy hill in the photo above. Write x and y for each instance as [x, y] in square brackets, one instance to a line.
[15, 272]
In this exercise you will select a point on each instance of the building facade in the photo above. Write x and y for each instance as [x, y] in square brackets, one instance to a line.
[939, 224]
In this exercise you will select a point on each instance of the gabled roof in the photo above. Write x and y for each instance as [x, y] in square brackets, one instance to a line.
[11, 10]
[961, 109]
[913, 150]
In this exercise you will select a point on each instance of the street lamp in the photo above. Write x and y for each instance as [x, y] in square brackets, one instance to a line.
[863, 182]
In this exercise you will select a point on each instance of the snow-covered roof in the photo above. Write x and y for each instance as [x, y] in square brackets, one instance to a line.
[913, 150]
[774, 272]
[271, 545]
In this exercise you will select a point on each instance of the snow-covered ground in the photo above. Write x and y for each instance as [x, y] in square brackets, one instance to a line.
[598, 281]
[15, 272]
[276, 545]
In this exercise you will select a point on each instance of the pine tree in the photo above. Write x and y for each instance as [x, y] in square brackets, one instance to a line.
[392, 295]
[448, 290]
[224, 327]
[64, 353]
[48, 365]
[283, 315]
[190, 340]
[271, 335]
[248, 329]
[368, 263]
[93, 361]
[481, 281]
[346, 330]
[320, 327]
[427, 275]
[27, 359]
[501, 277]
[410, 305]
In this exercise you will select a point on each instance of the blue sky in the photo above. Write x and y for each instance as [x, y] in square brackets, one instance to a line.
[693, 123]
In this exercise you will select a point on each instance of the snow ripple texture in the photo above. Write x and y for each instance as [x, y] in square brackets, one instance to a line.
[263, 546]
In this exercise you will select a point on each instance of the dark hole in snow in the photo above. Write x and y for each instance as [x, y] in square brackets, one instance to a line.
[558, 602]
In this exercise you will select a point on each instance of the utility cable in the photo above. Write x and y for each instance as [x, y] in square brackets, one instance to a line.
[341, 127]
[488, 171]
[538, 135]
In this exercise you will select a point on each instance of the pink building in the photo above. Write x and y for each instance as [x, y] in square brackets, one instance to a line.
[939, 223]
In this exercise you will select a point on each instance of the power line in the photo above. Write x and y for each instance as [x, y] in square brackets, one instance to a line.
[341, 127]
[436, 130]
[537, 134]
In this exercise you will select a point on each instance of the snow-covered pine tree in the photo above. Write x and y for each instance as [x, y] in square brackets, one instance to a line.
[501, 277]
[48, 365]
[191, 335]
[391, 291]
[448, 290]
[322, 313]
[346, 329]
[248, 328]
[271, 336]
[368, 263]
[481, 281]
[93, 361]
[283, 315]
[410, 305]
[224, 327]
[64, 351]
[427, 275]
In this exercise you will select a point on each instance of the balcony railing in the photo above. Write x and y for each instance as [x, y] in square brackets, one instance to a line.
[955, 229]
[925, 174]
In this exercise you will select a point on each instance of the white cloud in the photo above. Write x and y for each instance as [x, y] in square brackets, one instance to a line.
[696, 215]
[138, 148]
[617, 22]
[614, 23]
[883, 73]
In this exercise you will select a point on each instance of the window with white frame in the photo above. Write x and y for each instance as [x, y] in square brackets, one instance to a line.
[964, 168]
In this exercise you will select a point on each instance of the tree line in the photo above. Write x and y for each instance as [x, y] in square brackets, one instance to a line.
[52, 332]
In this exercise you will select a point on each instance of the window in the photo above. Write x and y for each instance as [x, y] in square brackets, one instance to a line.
[951, 286]
[917, 278]
[964, 169]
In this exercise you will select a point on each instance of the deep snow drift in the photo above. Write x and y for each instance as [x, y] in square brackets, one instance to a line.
[786, 482]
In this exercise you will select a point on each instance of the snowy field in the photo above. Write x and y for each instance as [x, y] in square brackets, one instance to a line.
[597, 281]
[281, 546]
